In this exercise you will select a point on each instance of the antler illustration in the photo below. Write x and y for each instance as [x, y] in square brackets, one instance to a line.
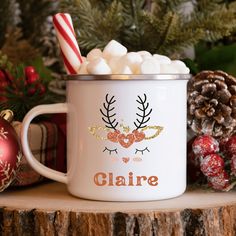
[107, 116]
[141, 122]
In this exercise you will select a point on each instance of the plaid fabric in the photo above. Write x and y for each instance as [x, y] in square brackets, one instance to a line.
[47, 143]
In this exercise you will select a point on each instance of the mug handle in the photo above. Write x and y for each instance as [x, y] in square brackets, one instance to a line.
[40, 168]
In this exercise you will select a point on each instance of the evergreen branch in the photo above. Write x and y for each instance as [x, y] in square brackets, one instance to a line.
[94, 22]
[157, 26]
[167, 30]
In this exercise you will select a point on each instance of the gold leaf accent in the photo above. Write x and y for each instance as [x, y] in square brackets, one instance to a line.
[126, 129]
[95, 129]
[157, 128]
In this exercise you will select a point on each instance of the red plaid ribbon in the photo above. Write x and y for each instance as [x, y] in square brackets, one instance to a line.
[48, 144]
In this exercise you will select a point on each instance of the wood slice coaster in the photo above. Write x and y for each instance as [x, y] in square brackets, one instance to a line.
[48, 209]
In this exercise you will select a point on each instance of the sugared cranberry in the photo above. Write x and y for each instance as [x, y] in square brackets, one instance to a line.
[212, 165]
[233, 165]
[204, 145]
[230, 146]
[219, 182]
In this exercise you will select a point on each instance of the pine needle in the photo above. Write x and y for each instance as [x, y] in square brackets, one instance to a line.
[158, 26]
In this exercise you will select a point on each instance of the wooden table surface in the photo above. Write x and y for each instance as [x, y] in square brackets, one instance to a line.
[48, 209]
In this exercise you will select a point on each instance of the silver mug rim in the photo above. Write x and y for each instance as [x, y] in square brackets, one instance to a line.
[125, 77]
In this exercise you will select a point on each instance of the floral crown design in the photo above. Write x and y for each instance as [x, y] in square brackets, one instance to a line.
[124, 136]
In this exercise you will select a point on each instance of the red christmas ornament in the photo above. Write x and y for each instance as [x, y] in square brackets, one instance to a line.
[10, 154]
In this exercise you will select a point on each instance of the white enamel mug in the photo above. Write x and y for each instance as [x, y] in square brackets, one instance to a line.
[126, 137]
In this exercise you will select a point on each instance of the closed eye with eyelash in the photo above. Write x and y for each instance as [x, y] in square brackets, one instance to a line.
[142, 151]
[110, 150]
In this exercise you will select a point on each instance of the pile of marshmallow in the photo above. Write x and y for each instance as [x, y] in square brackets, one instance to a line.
[115, 59]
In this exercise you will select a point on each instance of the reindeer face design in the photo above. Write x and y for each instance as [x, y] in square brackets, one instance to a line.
[123, 135]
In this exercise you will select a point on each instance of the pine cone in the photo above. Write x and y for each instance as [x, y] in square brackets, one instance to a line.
[212, 103]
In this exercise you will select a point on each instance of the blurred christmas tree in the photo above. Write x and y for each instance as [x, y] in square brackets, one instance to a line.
[28, 23]
[220, 54]
[159, 26]
[27, 46]
[4, 19]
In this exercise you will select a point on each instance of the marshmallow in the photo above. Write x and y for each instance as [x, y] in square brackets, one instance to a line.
[115, 60]
[150, 66]
[132, 60]
[162, 59]
[124, 70]
[114, 63]
[180, 66]
[144, 54]
[118, 66]
[145, 57]
[184, 70]
[83, 68]
[168, 69]
[98, 67]
[114, 49]
[178, 63]
[94, 54]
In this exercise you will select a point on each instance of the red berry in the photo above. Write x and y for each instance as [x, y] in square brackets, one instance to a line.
[41, 88]
[4, 80]
[233, 165]
[219, 182]
[212, 165]
[9, 77]
[2, 75]
[31, 91]
[29, 70]
[32, 78]
[205, 145]
[19, 93]
[230, 146]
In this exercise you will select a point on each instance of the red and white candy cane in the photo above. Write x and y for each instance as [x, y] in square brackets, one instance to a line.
[69, 48]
